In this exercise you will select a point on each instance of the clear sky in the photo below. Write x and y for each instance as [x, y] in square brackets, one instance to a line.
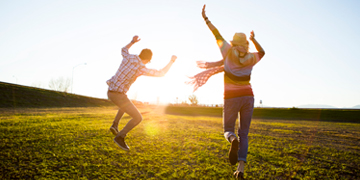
[311, 46]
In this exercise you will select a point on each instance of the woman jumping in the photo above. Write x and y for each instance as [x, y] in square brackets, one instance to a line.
[237, 63]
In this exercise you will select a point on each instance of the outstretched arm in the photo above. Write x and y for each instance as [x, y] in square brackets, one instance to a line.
[158, 73]
[257, 45]
[223, 45]
[208, 22]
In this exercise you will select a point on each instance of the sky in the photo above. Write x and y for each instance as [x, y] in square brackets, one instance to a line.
[311, 47]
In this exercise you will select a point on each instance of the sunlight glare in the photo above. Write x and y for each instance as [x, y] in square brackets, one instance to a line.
[154, 128]
[219, 42]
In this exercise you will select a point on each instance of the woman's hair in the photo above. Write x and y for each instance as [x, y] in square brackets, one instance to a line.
[240, 39]
[245, 46]
[145, 54]
[235, 53]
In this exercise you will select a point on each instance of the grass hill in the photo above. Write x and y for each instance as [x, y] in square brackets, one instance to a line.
[17, 96]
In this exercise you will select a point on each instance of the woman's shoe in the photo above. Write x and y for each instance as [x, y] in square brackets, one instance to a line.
[239, 175]
[233, 152]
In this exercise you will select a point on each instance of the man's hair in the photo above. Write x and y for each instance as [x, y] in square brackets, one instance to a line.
[145, 54]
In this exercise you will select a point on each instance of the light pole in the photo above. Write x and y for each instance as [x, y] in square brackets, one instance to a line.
[72, 77]
[15, 78]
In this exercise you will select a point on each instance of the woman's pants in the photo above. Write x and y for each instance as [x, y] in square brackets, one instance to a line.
[232, 108]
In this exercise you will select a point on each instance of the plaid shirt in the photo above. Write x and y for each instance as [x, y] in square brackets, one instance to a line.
[130, 68]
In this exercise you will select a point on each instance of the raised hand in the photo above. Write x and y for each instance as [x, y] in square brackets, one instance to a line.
[203, 12]
[173, 58]
[135, 39]
[252, 35]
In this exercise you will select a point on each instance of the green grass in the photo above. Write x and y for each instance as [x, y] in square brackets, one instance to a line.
[75, 143]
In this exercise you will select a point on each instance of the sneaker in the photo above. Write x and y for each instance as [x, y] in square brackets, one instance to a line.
[239, 175]
[121, 143]
[233, 152]
[114, 130]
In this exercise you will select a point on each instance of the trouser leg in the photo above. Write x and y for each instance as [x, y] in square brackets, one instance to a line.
[126, 106]
[230, 114]
[118, 116]
[136, 119]
[246, 112]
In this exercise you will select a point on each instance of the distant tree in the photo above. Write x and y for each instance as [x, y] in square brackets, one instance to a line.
[193, 100]
[184, 103]
[60, 84]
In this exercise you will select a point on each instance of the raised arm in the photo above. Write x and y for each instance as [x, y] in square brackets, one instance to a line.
[158, 73]
[223, 45]
[125, 50]
[208, 22]
[257, 45]
[133, 41]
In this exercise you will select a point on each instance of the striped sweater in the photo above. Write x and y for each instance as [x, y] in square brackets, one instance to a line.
[237, 70]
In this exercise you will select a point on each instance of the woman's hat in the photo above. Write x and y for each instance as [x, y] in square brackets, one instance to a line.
[239, 39]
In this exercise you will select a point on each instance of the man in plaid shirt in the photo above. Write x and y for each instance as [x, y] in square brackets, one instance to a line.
[131, 67]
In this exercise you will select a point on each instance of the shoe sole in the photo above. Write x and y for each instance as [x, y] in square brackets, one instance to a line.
[233, 153]
[125, 149]
[114, 131]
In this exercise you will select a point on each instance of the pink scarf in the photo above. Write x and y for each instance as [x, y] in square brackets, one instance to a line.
[201, 78]
[216, 67]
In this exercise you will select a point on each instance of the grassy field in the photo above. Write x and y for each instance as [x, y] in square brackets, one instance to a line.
[75, 143]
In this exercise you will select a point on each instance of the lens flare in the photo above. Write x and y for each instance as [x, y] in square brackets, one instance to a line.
[220, 43]
[159, 124]
[152, 129]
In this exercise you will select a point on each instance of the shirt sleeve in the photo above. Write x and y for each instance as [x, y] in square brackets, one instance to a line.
[129, 57]
[223, 45]
[258, 56]
[151, 72]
